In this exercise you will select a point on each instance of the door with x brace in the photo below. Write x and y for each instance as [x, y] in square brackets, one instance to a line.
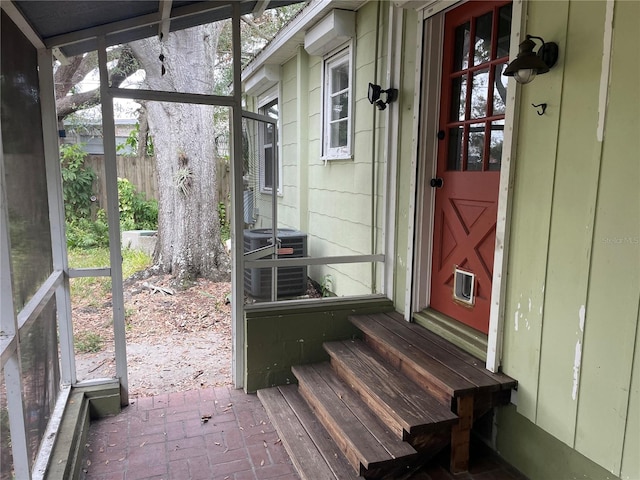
[470, 137]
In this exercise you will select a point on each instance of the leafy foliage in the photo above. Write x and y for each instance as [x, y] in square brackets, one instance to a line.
[83, 230]
[77, 182]
[136, 213]
[255, 34]
[77, 190]
[132, 142]
[86, 233]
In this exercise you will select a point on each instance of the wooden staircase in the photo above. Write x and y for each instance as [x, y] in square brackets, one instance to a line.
[383, 405]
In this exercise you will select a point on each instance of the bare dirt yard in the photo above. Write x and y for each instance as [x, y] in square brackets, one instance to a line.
[177, 340]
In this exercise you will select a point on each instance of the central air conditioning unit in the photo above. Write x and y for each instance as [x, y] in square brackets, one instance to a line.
[292, 281]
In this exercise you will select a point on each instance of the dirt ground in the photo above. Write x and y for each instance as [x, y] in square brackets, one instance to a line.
[176, 340]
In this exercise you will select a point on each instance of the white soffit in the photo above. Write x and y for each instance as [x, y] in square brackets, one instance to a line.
[417, 4]
[265, 77]
[332, 31]
[428, 7]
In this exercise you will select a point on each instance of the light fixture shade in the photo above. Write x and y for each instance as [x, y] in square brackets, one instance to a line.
[374, 96]
[524, 75]
[527, 59]
[374, 92]
[528, 63]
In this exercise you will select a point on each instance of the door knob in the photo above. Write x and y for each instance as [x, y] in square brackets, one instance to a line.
[436, 182]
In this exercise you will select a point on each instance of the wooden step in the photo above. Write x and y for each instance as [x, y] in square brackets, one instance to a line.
[307, 442]
[438, 366]
[369, 446]
[442, 369]
[398, 401]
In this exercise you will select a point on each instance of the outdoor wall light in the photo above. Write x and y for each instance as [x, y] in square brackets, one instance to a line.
[374, 96]
[528, 63]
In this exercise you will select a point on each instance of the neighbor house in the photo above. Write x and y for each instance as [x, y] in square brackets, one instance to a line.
[492, 227]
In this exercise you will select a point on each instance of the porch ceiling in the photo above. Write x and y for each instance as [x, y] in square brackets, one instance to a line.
[72, 26]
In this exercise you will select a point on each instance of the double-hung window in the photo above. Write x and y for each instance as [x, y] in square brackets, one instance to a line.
[269, 165]
[337, 105]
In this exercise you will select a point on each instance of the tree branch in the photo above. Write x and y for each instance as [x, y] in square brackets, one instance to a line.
[68, 104]
[64, 76]
[255, 28]
[79, 101]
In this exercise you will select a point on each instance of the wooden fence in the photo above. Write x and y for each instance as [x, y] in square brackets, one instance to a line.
[142, 173]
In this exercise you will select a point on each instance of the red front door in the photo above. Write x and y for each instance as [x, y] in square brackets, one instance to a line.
[471, 132]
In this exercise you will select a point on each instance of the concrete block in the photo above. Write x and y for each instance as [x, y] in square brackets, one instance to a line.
[144, 240]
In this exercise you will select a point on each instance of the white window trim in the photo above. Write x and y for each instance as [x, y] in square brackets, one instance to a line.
[340, 153]
[264, 99]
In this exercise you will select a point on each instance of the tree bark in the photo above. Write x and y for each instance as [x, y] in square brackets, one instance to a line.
[143, 131]
[189, 243]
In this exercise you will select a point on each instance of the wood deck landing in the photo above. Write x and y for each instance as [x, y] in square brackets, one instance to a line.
[427, 357]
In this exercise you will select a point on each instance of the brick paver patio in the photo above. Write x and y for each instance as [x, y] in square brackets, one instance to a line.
[218, 434]
[214, 433]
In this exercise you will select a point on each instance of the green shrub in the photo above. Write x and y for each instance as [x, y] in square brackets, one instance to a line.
[85, 233]
[77, 182]
[136, 213]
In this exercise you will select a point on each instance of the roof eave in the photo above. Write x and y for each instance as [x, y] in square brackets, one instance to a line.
[285, 44]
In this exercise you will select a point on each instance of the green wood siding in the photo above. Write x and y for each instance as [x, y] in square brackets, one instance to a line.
[340, 190]
[577, 164]
[302, 146]
[571, 314]
[530, 220]
[630, 457]
[612, 301]
[288, 207]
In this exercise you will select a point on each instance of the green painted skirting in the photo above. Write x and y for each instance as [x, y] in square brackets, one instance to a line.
[539, 455]
[84, 404]
[281, 335]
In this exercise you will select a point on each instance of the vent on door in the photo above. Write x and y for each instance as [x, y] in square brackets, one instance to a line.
[292, 281]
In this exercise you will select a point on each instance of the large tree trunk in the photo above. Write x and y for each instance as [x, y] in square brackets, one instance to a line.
[189, 243]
